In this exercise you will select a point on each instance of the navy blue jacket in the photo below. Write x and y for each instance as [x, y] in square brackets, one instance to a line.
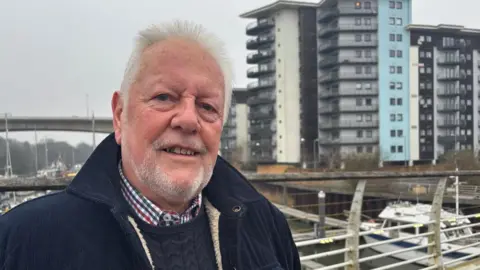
[88, 225]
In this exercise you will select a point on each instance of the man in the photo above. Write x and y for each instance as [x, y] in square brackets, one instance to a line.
[154, 194]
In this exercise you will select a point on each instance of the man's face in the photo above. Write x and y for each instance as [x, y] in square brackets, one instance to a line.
[171, 126]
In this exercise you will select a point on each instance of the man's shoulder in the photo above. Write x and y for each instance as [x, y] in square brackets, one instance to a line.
[46, 211]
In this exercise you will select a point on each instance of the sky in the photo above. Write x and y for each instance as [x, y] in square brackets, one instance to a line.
[53, 53]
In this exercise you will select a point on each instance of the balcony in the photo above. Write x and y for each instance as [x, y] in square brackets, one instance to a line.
[261, 114]
[449, 77]
[347, 125]
[335, 76]
[334, 109]
[451, 46]
[257, 42]
[261, 84]
[447, 123]
[262, 98]
[450, 107]
[332, 29]
[257, 71]
[451, 91]
[328, 14]
[346, 91]
[256, 27]
[451, 139]
[448, 60]
[327, 45]
[256, 57]
[261, 129]
[349, 140]
[330, 61]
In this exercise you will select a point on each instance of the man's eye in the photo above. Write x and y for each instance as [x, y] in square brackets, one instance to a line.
[207, 107]
[163, 97]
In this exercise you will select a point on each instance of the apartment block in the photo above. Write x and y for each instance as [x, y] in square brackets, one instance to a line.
[363, 49]
[283, 91]
[444, 90]
[234, 140]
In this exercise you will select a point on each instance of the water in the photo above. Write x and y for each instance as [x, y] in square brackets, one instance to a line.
[320, 248]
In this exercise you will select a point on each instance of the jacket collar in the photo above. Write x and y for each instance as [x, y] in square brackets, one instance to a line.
[99, 181]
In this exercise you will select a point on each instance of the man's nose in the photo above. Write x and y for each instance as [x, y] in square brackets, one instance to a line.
[186, 116]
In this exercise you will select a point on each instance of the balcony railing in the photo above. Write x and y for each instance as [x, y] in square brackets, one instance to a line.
[255, 27]
[349, 140]
[451, 107]
[451, 91]
[347, 108]
[346, 91]
[335, 28]
[255, 57]
[256, 42]
[333, 76]
[335, 42]
[326, 14]
[347, 124]
[259, 70]
[260, 84]
[451, 123]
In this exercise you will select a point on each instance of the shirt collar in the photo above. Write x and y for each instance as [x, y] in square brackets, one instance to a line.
[147, 211]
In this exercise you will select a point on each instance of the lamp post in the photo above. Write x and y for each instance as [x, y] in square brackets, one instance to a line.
[315, 152]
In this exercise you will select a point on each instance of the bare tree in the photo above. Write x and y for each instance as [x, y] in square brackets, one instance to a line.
[361, 161]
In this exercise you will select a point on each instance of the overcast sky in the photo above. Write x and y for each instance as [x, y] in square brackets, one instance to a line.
[55, 52]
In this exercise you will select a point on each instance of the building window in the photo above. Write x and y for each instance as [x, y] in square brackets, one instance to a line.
[392, 21]
[367, 5]
[399, 85]
[358, 38]
[393, 149]
[358, 21]
[359, 149]
[392, 53]
[392, 117]
[399, 5]
[399, 21]
[399, 70]
[392, 85]
[399, 37]
[368, 86]
[399, 101]
[358, 102]
[368, 53]
[428, 54]
[429, 38]
[358, 86]
[399, 54]
[368, 37]
[399, 117]
[392, 70]
[368, 70]
[358, 54]
[392, 37]
[399, 133]
[392, 133]
[358, 70]
[359, 134]
[422, 70]
[359, 118]
[392, 101]
[400, 149]
[392, 4]
[422, 54]
[368, 21]
[429, 70]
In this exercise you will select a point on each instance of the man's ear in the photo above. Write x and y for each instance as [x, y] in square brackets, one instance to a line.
[117, 111]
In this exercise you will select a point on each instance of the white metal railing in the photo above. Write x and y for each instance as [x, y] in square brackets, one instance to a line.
[433, 245]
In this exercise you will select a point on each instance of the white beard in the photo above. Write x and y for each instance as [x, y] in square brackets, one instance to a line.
[162, 184]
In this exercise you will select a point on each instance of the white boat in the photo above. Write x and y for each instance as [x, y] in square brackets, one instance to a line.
[402, 213]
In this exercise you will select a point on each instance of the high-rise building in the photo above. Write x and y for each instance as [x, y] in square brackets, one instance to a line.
[444, 90]
[234, 140]
[282, 97]
[363, 50]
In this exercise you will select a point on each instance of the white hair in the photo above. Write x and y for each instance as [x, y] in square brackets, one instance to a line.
[183, 29]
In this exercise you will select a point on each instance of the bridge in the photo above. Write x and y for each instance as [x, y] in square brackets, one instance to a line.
[78, 124]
